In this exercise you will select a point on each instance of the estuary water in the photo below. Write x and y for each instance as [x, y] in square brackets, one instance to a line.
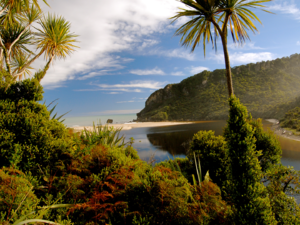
[162, 143]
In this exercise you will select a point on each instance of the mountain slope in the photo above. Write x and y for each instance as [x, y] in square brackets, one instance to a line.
[268, 89]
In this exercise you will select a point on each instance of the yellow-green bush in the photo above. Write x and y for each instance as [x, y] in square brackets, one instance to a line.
[29, 139]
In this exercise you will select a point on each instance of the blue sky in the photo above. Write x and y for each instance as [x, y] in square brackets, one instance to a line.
[127, 51]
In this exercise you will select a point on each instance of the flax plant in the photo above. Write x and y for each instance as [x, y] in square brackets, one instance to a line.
[198, 169]
[104, 135]
[210, 19]
[39, 216]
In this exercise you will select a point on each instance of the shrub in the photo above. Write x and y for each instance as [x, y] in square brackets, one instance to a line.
[251, 204]
[29, 139]
[107, 186]
[284, 182]
[17, 197]
[267, 143]
[213, 152]
[160, 116]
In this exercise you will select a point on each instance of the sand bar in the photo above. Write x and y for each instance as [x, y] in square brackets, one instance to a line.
[128, 126]
[281, 131]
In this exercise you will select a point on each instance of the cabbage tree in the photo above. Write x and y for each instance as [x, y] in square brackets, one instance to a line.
[209, 19]
[22, 41]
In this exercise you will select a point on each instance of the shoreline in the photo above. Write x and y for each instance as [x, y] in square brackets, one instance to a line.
[281, 132]
[128, 126]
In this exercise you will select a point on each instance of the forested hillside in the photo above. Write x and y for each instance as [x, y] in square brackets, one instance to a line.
[268, 89]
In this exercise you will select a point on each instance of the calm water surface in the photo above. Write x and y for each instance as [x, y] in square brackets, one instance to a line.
[164, 142]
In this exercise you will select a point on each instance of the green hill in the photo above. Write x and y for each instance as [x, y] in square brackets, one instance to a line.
[268, 89]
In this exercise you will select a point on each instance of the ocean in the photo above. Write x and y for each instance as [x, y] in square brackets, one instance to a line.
[101, 119]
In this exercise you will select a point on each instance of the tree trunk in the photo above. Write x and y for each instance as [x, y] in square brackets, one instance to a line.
[223, 34]
[7, 61]
[45, 69]
[227, 64]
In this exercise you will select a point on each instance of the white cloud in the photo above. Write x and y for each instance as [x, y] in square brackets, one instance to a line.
[130, 101]
[133, 86]
[298, 42]
[198, 69]
[244, 58]
[245, 46]
[175, 53]
[147, 43]
[126, 101]
[94, 74]
[286, 7]
[107, 28]
[178, 73]
[155, 71]
[112, 90]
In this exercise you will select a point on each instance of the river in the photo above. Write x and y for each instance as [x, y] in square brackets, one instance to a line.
[161, 143]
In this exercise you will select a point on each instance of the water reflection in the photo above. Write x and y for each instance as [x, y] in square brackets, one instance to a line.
[172, 138]
[164, 142]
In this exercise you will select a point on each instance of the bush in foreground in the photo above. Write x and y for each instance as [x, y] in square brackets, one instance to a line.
[29, 139]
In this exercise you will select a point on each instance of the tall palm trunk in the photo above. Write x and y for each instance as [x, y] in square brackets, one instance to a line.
[223, 34]
[227, 64]
[7, 61]
[43, 73]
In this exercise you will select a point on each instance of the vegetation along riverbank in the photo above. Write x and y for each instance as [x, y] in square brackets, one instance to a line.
[92, 176]
[50, 174]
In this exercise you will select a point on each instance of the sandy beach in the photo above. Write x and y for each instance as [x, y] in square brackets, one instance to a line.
[128, 126]
[281, 131]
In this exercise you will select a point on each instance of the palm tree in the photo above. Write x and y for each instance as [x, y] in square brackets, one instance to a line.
[218, 15]
[54, 39]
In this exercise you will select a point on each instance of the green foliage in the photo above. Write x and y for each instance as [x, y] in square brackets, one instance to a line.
[186, 167]
[266, 91]
[281, 182]
[246, 192]
[28, 89]
[284, 182]
[17, 197]
[160, 116]
[104, 135]
[29, 139]
[18, 202]
[213, 152]
[267, 143]
[292, 119]
[106, 182]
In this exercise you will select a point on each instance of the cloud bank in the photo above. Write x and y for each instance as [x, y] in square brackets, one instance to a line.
[106, 28]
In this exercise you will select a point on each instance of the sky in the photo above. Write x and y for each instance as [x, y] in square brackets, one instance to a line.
[127, 50]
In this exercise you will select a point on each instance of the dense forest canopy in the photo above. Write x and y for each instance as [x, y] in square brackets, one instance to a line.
[268, 89]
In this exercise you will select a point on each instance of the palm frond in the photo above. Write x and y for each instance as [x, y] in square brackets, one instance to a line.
[199, 28]
[241, 18]
[55, 38]
[19, 62]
